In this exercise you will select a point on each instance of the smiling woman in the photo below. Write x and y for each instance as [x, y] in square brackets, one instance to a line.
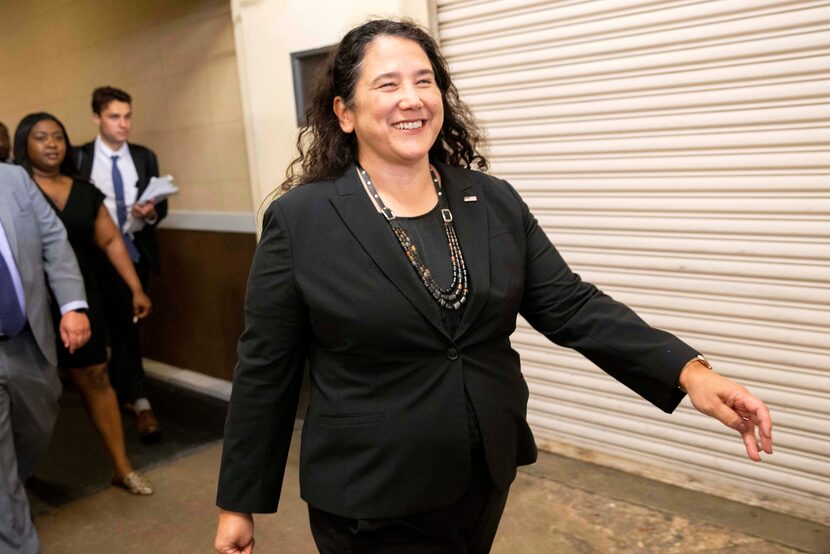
[325, 151]
[398, 272]
[396, 111]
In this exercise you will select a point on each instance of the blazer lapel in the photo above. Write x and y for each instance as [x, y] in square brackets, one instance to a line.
[373, 232]
[470, 222]
[140, 169]
[7, 219]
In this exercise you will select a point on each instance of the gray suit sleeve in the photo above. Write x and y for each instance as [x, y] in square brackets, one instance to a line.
[59, 260]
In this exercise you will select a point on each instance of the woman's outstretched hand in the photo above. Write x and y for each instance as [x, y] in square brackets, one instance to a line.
[731, 404]
[235, 533]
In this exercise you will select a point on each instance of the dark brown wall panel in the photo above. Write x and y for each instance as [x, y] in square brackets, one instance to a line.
[198, 300]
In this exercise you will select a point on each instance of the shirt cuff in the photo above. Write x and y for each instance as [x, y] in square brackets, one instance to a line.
[72, 306]
[152, 220]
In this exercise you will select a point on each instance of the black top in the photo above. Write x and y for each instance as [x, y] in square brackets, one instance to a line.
[428, 235]
[78, 216]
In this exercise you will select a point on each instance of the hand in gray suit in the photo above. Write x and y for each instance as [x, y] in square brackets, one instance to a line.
[34, 245]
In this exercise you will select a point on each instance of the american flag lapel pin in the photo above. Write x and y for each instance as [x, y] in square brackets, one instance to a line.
[471, 199]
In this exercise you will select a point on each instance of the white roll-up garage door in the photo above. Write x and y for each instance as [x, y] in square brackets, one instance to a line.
[676, 152]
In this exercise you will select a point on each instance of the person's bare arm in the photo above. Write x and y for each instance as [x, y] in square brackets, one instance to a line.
[109, 239]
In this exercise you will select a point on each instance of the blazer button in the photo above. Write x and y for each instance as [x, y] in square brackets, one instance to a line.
[452, 354]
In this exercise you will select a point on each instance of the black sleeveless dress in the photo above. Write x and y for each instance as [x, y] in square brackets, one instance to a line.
[78, 216]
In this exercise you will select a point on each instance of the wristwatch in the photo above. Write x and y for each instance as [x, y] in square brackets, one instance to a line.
[702, 359]
[699, 358]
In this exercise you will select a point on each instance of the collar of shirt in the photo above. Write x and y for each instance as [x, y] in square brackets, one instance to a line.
[102, 148]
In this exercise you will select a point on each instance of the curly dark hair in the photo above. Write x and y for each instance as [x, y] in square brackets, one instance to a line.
[21, 143]
[325, 151]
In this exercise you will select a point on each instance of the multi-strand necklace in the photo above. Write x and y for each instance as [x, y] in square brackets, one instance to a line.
[453, 297]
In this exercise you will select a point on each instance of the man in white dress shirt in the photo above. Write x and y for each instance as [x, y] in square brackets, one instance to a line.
[122, 172]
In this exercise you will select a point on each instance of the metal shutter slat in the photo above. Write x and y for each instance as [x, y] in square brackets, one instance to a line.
[676, 153]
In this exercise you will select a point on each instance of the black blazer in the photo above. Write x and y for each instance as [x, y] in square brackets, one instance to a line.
[146, 165]
[386, 431]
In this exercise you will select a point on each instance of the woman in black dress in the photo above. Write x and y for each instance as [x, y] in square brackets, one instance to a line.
[41, 145]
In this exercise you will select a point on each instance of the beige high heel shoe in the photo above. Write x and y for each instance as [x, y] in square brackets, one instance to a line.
[134, 483]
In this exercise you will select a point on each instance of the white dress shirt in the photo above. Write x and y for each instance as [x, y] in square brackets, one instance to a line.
[101, 177]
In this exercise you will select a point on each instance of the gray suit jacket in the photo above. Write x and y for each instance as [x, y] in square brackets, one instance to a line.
[38, 243]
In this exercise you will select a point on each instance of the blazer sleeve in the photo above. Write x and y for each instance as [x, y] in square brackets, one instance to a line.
[153, 171]
[266, 383]
[83, 159]
[59, 262]
[575, 314]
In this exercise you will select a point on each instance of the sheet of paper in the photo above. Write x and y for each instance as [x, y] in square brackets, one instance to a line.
[157, 189]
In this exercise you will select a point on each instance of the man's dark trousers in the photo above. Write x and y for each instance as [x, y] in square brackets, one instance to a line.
[125, 368]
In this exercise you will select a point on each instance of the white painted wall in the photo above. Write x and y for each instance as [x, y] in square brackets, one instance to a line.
[266, 32]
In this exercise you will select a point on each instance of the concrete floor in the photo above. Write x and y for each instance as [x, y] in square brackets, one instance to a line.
[557, 505]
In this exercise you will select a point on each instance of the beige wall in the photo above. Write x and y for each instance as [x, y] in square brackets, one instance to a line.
[267, 31]
[177, 59]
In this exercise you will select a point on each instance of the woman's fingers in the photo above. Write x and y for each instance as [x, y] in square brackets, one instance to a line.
[750, 441]
[754, 410]
[735, 407]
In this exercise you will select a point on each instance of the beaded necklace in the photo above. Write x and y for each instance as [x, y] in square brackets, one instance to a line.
[453, 297]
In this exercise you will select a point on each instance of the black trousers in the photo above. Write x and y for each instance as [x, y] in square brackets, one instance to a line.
[466, 527]
[125, 369]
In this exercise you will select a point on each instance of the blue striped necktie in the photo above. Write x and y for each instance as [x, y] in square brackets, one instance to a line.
[121, 209]
[12, 319]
